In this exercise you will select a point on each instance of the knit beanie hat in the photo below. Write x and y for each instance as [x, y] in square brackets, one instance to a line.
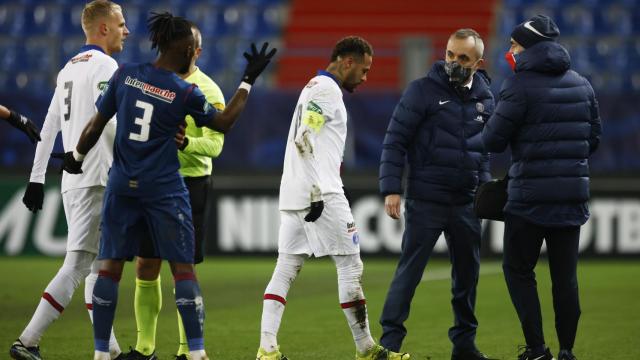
[538, 28]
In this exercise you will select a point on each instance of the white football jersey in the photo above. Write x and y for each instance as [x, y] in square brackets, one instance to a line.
[78, 86]
[315, 145]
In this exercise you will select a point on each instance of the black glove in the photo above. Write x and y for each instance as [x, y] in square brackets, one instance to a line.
[315, 212]
[22, 123]
[69, 163]
[347, 195]
[257, 62]
[34, 196]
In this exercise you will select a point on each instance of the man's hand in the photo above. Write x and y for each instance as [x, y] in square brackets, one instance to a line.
[181, 139]
[69, 163]
[392, 205]
[315, 211]
[22, 123]
[257, 62]
[34, 196]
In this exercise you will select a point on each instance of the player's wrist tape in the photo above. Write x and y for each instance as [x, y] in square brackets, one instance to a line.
[245, 85]
[77, 156]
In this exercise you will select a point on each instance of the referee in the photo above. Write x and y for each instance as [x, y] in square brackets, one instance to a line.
[198, 145]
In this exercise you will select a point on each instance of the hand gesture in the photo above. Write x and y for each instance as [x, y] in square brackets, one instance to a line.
[25, 125]
[69, 163]
[257, 62]
[315, 211]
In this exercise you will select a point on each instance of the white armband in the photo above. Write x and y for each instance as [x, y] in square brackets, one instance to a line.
[77, 156]
[245, 85]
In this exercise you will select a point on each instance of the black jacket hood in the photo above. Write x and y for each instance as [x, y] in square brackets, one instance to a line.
[547, 57]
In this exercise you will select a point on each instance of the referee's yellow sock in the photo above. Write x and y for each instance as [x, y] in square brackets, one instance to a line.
[147, 304]
[184, 345]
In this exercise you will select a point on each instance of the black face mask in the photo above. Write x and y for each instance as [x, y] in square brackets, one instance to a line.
[458, 74]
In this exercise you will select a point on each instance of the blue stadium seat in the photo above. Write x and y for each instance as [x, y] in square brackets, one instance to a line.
[579, 50]
[614, 19]
[45, 18]
[633, 52]
[271, 19]
[135, 17]
[72, 20]
[576, 20]
[69, 47]
[130, 51]
[12, 19]
[145, 53]
[609, 53]
[12, 55]
[211, 59]
[208, 18]
[39, 54]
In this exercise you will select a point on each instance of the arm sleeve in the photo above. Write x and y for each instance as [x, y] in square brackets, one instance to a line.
[596, 123]
[101, 77]
[507, 117]
[48, 134]
[312, 117]
[409, 113]
[211, 142]
[106, 103]
[198, 107]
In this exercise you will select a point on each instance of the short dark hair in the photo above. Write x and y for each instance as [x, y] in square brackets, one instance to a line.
[466, 33]
[164, 29]
[351, 45]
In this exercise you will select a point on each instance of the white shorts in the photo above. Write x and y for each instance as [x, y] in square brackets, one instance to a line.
[83, 210]
[334, 233]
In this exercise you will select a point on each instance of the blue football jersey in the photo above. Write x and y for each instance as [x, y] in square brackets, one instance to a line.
[150, 104]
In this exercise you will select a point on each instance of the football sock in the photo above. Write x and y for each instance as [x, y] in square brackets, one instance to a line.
[105, 299]
[191, 307]
[198, 355]
[57, 295]
[147, 304]
[352, 301]
[101, 355]
[287, 268]
[89, 283]
[183, 348]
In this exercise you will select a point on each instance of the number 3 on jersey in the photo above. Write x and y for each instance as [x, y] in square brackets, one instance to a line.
[143, 122]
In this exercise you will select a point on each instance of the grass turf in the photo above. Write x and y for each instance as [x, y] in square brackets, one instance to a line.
[314, 326]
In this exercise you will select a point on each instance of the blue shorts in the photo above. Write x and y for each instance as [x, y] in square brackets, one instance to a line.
[165, 220]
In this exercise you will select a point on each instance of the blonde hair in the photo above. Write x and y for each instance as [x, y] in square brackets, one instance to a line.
[95, 10]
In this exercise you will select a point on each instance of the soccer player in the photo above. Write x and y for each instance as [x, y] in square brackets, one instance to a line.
[197, 148]
[20, 122]
[315, 217]
[78, 85]
[146, 198]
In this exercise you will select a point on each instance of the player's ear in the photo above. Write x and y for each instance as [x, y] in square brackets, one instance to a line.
[103, 29]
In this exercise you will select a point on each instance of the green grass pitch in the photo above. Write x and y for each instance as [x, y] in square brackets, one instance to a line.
[314, 326]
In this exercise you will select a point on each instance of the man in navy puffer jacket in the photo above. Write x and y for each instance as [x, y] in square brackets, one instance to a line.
[436, 127]
[549, 116]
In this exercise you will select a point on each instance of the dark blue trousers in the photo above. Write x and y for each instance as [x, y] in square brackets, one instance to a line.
[424, 222]
[522, 243]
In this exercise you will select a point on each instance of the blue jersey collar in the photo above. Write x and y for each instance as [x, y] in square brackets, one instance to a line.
[326, 73]
[91, 47]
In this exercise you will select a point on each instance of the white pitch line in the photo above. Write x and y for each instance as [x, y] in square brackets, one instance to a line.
[445, 274]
